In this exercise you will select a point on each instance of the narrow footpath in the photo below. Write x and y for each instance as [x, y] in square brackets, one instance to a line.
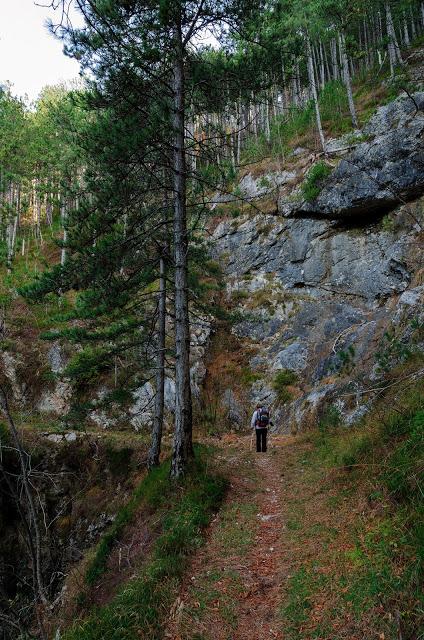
[233, 590]
[284, 558]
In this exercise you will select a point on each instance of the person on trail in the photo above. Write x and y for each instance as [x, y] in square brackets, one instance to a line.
[260, 421]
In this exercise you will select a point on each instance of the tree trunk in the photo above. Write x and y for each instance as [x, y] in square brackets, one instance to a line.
[405, 32]
[240, 125]
[334, 59]
[183, 446]
[347, 80]
[49, 208]
[393, 46]
[63, 213]
[154, 453]
[254, 117]
[267, 125]
[413, 29]
[295, 96]
[327, 66]
[322, 64]
[12, 230]
[313, 87]
[367, 45]
[298, 85]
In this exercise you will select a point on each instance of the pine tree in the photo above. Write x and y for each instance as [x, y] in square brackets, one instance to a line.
[142, 55]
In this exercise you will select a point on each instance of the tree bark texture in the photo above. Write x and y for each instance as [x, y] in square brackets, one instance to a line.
[347, 80]
[155, 448]
[313, 87]
[183, 446]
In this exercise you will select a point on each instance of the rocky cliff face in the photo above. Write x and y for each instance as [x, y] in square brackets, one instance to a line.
[318, 284]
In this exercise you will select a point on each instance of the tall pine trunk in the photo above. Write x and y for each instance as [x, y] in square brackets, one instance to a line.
[406, 40]
[334, 59]
[267, 125]
[154, 453]
[313, 88]
[322, 64]
[63, 216]
[393, 46]
[347, 79]
[413, 28]
[183, 446]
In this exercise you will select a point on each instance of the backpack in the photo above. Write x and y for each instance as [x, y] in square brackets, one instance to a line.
[262, 418]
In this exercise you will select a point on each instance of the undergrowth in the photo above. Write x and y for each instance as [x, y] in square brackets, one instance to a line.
[299, 127]
[140, 607]
[376, 570]
[311, 186]
[283, 379]
[150, 491]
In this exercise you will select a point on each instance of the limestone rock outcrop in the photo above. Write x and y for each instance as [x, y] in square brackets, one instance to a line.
[331, 290]
[380, 173]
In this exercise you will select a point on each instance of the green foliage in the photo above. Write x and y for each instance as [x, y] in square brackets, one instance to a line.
[142, 604]
[248, 377]
[282, 380]
[402, 476]
[346, 359]
[311, 187]
[284, 132]
[238, 295]
[264, 182]
[289, 131]
[334, 108]
[395, 349]
[388, 223]
[388, 557]
[331, 419]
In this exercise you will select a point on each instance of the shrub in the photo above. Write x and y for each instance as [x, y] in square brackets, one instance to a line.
[312, 185]
[330, 419]
[240, 294]
[388, 223]
[248, 376]
[281, 381]
[284, 378]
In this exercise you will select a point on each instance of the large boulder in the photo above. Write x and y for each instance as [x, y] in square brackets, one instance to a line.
[381, 173]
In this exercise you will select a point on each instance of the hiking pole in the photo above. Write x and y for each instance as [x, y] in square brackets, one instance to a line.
[251, 442]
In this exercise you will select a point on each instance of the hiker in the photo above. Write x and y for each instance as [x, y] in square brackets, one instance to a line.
[260, 421]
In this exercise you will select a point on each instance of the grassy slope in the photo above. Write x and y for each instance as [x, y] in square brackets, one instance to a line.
[140, 605]
[298, 129]
[360, 569]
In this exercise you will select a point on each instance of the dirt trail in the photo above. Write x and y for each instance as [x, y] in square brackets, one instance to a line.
[293, 554]
[233, 589]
